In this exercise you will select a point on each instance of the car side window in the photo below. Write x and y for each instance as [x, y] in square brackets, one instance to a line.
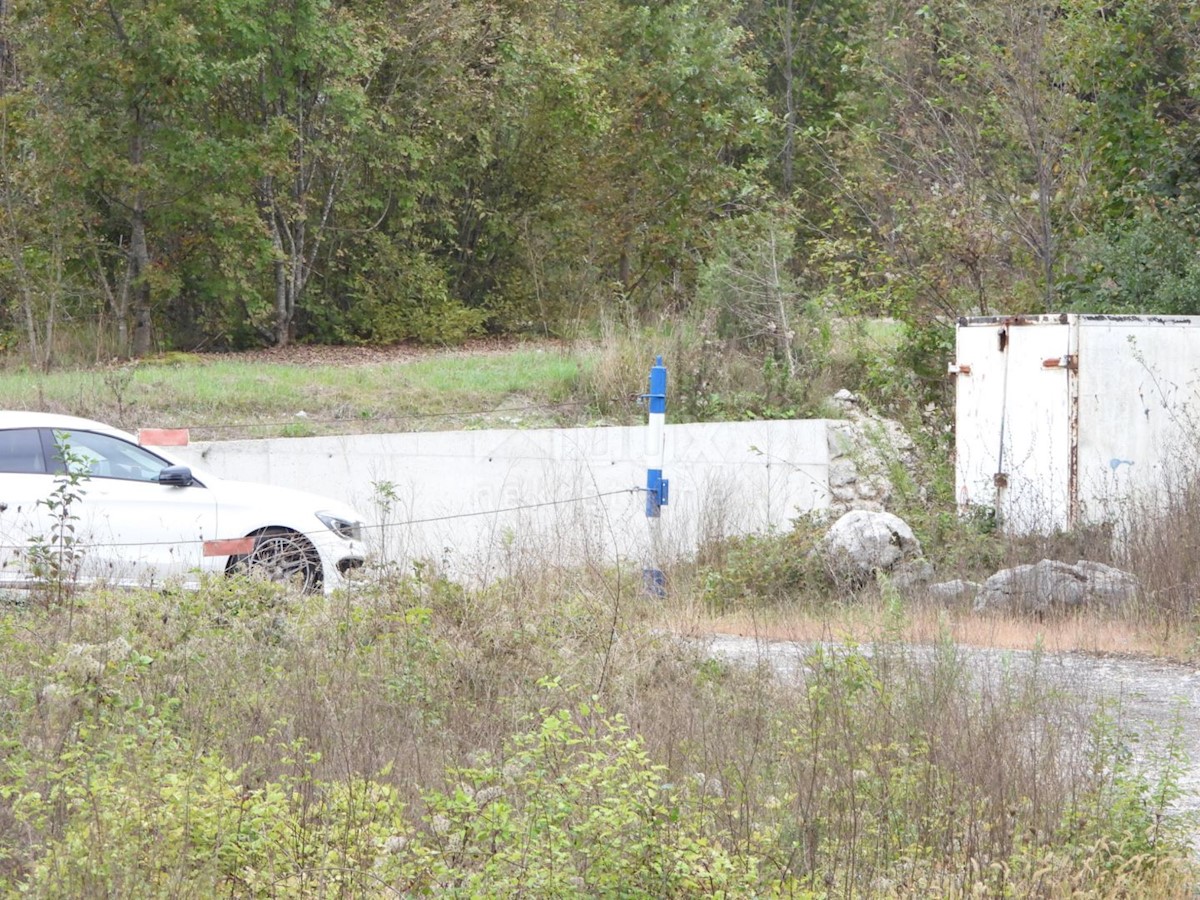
[21, 451]
[103, 456]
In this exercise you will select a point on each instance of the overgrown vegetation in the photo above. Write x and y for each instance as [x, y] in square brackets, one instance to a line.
[55, 558]
[544, 734]
[784, 201]
[535, 737]
[223, 398]
[716, 373]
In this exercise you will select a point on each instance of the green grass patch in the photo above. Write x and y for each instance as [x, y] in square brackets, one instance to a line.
[224, 398]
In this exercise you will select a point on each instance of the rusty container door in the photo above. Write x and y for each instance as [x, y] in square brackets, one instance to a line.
[1016, 415]
[1139, 393]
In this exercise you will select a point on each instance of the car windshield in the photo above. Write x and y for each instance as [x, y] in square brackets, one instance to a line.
[102, 456]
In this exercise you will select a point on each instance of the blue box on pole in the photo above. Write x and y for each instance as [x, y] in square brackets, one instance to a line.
[654, 582]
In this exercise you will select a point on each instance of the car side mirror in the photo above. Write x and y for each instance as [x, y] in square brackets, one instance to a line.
[176, 476]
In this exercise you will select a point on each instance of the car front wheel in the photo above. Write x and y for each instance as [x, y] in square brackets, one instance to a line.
[283, 557]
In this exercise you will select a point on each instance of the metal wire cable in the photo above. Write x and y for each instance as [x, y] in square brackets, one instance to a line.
[83, 546]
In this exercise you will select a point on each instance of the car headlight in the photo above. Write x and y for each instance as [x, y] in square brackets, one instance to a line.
[351, 531]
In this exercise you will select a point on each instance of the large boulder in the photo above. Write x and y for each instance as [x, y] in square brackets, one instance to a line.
[1107, 586]
[862, 543]
[1053, 586]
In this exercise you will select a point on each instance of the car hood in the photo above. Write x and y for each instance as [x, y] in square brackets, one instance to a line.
[268, 496]
[253, 500]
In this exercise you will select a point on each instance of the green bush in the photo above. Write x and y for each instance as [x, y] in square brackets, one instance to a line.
[136, 812]
[894, 774]
[761, 570]
[242, 741]
[405, 295]
[575, 808]
[1144, 265]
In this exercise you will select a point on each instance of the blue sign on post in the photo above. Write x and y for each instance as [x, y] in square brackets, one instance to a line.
[656, 485]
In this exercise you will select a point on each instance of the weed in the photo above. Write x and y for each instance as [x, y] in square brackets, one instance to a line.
[758, 571]
[55, 558]
[420, 735]
[118, 380]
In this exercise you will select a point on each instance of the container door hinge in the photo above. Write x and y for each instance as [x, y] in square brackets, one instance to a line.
[1070, 362]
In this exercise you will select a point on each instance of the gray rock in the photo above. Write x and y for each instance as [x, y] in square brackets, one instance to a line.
[1107, 586]
[842, 472]
[840, 438]
[1035, 588]
[874, 487]
[953, 592]
[911, 574]
[863, 542]
[1050, 586]
[864, 449]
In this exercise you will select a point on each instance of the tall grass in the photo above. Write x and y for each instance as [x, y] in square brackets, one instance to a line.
[536, 737]
[541, 735]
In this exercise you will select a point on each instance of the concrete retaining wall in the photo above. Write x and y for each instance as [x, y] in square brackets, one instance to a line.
[479, 501]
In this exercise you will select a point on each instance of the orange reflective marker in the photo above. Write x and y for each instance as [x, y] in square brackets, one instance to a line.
[229, 547]
[163, 437]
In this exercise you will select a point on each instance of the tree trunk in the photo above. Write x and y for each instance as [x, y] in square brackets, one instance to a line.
[777, 288]
[284, 299]
[1045, 214]
[139, 253]
[120, 307]
[139, 262]
[789, 114]
[7, 66]
[283, 306]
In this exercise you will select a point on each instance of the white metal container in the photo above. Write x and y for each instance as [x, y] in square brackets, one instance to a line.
[1063, 420]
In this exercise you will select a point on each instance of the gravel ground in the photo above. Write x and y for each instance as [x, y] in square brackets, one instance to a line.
[1152, 697]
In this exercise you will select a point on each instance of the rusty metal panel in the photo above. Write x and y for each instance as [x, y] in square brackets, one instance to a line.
[1013, 420]
[1139, 411]
[1015, 321]
[1064, 418]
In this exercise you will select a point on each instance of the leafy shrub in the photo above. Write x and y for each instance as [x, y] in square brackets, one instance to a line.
[761, 570]
[379, 743]
[1148, 264]
[138, 812]
[575, 808]
[750, 300]
[405, 295]
[887, 772]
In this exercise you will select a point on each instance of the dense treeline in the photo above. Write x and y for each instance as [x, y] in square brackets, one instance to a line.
[225, 173]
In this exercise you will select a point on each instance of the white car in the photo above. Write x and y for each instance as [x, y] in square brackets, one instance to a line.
[142, 518]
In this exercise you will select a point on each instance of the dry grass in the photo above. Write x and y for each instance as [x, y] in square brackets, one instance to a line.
[887, 775]
[1083, 632]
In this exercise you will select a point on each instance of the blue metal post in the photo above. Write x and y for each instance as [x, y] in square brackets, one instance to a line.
[656, 485]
